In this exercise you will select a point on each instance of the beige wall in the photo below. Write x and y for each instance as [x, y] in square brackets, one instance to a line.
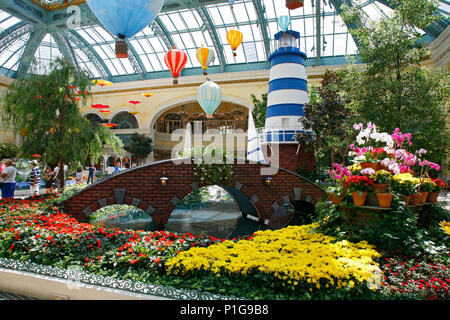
[6, 135]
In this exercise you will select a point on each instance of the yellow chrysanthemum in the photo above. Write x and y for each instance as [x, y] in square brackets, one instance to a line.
[292, 254]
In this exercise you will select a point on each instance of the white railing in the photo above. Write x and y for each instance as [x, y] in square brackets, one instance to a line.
[278, 135]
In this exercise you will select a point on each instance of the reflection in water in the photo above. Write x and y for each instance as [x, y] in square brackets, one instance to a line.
[122, 217]
[212, 212]
[216, 219]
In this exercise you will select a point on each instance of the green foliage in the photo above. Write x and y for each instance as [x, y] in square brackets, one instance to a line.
[141, 145]
[397, 229]
[394, 91]
[8, 150]
[259, 110]
[329, 117]
[213, 165]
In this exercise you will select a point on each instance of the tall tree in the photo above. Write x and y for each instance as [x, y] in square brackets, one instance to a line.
[44, 111]
[259, 110]
[394, 90]
[329, 117]
[141, 146]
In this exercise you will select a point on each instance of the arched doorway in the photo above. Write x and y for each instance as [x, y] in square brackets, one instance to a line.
[228, 119]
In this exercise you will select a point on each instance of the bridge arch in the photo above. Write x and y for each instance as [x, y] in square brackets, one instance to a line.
[141, 187]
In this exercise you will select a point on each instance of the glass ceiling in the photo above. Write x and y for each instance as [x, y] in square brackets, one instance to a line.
[93, 48]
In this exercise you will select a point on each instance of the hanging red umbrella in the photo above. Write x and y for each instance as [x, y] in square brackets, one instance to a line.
[100, 106]
[109, 125]
[36, 155]
[134, 102]
[175, 60]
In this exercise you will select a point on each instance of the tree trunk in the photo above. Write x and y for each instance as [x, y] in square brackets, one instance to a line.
[61, 177]
[332, 157]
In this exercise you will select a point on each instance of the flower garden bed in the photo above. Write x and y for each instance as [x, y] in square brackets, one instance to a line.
[291, 263]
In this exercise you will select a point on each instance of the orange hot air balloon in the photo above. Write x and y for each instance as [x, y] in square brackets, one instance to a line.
[109, 125]
[148, 95]
[234, 38]
[205, 56]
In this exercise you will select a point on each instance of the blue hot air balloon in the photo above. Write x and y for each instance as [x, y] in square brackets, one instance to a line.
[209, 96]
[284, 22]
[125, 18]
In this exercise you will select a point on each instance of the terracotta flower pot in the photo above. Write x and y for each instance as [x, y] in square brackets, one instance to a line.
[380, 187]
[424, 196]
[372, 165]
[345, 184]
[407, 199]
[359, 199]
[334, 199]
[415, 199]
[385, 199]
[432, 197]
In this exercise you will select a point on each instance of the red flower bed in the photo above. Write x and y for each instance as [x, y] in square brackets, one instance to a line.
[416, 278]
[36, 231]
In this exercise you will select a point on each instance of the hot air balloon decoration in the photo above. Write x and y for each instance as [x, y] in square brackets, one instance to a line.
[294, 4]
[205, 56]
[284, 22]
[105, 112]
[234, 38]
[209, 96]
[175, 60]
[125, 18]
[147, 94]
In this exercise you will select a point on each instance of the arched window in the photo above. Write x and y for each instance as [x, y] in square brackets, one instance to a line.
[125, 120]
[93, 118]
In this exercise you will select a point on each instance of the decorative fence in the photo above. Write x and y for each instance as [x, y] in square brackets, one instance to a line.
[76, 277]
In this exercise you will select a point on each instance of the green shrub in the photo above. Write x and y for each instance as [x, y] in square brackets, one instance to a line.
[8, 150]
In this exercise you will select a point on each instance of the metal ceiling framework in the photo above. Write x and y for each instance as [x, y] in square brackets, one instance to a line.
[91, 46]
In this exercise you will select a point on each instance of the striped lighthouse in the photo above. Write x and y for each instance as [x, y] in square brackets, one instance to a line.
[288, 93]
[288, 89]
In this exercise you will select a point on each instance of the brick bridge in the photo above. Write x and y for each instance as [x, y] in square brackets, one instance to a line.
[141, 187]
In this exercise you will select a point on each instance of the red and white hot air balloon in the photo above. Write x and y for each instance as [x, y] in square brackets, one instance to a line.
[175, 60]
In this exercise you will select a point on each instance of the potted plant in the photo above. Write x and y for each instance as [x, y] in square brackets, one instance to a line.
[336, 193]
[385, 197]
[404, 188]
[426, 187]
[360, 186]
[382, 179]
[439, 186]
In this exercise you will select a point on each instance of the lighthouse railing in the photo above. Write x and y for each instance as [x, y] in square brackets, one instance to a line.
[279, 135]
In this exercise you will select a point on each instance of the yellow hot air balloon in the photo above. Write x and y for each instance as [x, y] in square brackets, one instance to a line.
[234, 38]
[205, 56]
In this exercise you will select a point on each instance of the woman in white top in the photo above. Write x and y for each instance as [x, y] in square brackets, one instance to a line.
[8, 177]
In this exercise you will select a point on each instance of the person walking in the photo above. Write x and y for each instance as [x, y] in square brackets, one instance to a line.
[8, 177]
[79, 174]
[35, 178]
[91, 175]
[49, 179]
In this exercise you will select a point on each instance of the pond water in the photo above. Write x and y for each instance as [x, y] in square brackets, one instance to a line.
[213, 213]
